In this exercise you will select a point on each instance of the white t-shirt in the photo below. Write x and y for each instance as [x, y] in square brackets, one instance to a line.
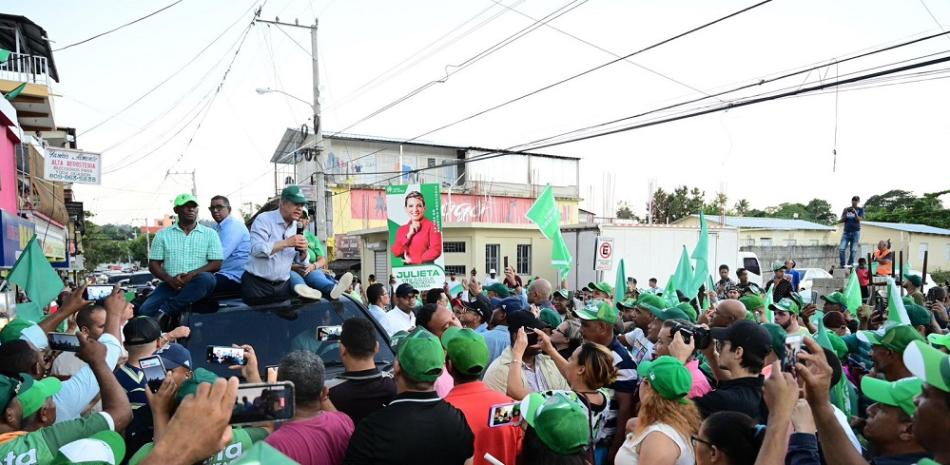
[489, 281]
[641, 347]
[629, 453]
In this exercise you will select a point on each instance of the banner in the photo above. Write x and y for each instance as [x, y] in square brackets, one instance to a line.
[65, 165]
[414, 216]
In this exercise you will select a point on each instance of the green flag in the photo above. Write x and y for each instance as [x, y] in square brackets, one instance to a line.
[821, 336]
[701, 255]
[852, 293]
[620, 284]
[546, 215]
[683, 276]
[15, 92]
[36, 276]
[769, 314]
[4, 55]
[896, 313]
[670, 292]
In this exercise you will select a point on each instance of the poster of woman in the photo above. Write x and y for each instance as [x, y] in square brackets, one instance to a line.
[414, 213]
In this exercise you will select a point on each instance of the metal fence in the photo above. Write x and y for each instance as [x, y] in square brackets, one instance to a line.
[25, 68]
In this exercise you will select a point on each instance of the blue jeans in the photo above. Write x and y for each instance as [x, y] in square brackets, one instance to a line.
[315, 279]
[169, 301]
[852, 238]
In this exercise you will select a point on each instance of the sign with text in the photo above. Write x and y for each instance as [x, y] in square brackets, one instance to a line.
[414, 216]
[75, 166]
[604, 254]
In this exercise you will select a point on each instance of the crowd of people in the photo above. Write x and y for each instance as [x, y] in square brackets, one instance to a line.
[502, 370]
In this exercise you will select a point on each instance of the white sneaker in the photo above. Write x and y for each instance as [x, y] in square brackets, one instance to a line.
[307, 292]
[341, 286]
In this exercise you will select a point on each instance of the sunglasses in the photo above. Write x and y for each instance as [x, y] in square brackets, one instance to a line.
[694, 439]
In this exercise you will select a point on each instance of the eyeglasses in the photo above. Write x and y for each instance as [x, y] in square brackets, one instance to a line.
[215, 208]
[694, 439]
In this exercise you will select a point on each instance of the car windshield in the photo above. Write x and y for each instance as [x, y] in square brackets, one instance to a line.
[140, 278]
[117, 277]
[313, 327]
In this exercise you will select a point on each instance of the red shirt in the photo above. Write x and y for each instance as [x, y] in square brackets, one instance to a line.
[475, 400]
[424, 246]
[864, 276]
[321, 440]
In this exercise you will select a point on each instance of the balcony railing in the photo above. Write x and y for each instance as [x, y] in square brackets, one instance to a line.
[25, 68]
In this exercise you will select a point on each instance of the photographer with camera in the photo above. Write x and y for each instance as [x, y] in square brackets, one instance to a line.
[740, 351]
[679, 338]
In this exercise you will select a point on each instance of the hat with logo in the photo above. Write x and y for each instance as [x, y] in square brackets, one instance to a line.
[939, 339]
[785, 305]
[293, 194]
[778, 265]
[627, 304]
[929, 364]
[141, 330]
[14, 329]
[918, 315]
[480, 306]
[914, 279]
[510, 305]
[778, 335]
[559, 419]
[190, 385]
[836, 298]
[898, 393]
[750, 336]
[752, 302]
[184, 199]
[598, 310]
[650, 302]
[405, 290]
[175, 355]
[602, 286]
[668, 377]
[32, 393]
[895, 338]
[500, 289]
[563, 294]
[420, 356]
[466, 349]
[103, 448]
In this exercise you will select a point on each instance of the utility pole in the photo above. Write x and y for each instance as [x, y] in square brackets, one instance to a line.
[194, 185]
[319, 177]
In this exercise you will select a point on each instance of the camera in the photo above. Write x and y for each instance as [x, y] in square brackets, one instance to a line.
[697, 333]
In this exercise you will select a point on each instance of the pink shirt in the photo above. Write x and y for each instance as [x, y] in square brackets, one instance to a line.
[321, 440]
[700, 384]
[444, 384]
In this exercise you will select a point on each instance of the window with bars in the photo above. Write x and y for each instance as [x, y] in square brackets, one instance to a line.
[453, 247]
[457, 269]
[524, 258]
[492, 251]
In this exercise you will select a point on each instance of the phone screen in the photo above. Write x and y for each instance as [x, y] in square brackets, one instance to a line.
[325, 333]
[504, 414]
[257, 403]
[793, 344]
[64, 342]
[224, 355]
[98, 291]
[154, 371]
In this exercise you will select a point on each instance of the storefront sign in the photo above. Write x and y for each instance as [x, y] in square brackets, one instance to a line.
[459, 208]
[16, 233]
[347, 247]
[65, 165]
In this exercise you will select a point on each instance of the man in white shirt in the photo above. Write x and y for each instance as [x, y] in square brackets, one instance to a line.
[401, 317]
[491, 278]
[378, 299]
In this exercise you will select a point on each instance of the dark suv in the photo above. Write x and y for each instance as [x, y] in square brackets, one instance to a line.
[275, 330]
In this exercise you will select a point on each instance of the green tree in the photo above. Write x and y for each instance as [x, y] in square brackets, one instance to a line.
[742, 208]
[624, 212]
[718, 205]
[138, 248]
[102, 244]
[898, 206]
[820, 211]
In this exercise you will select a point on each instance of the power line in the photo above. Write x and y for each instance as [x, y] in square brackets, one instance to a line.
[110, 31]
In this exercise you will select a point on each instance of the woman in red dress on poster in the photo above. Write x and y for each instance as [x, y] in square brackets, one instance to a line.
[417, 241]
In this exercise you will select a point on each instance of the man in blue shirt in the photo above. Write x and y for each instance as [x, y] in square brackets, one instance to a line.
[852, 218]
[235, 246]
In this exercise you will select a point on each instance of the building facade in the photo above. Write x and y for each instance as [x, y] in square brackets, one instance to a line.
[911, 239]
[771, 232]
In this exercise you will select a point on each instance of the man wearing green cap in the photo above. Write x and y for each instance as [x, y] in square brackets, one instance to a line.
[560, 421]
[913, 283]
[467, 356]
[786, 314]
[641, 346]
[887, 350]
[781, 287]
[184, 256]
[601, 291]
[276, 245]
[433, 432]
[889, 422]
[940, 341]
[932, 419]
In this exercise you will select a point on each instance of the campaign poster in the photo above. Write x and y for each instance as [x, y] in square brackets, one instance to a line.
[414, 214]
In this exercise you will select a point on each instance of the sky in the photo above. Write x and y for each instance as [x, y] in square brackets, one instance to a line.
[886, 137]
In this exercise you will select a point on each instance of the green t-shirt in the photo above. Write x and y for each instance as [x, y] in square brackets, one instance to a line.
[314, 247]
[41, 446]
[241, 441]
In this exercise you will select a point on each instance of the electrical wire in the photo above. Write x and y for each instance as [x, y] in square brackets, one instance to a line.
[110, 31]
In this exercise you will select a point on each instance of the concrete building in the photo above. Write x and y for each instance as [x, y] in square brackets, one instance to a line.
[913, 240]
[771, 232]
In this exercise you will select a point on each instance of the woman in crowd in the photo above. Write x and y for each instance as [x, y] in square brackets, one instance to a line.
[666, 420]
[728, 438]
[418, 241]
[555, 433]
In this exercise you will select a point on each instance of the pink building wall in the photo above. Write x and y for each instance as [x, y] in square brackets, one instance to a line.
[7, 167]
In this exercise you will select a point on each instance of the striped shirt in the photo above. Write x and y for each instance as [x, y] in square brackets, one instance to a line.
[626, 382]
[183, 253]
[140, 430]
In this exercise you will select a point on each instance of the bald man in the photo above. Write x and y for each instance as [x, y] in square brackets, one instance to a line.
[539, 295]
[727, 313]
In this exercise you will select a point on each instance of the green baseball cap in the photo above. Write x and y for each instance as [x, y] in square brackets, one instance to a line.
[627, 304]
[102, 448]
[778, 335]
[32, 393]
[564, 294]
[914, 279]
[918, 315]
[550, 317]
[752, 302]
[190, 385]
[785, 305]
[559, 419]
[837, 344]
[895, 338]
[293, 194]
[466, 349]
[929, 364]
[688, 309]
[14, 329]
[598, 310]
[602, 286]
[672, 313]
[899, 393]
[836, 298]
[184, 199]
[500, 289]
[939, 339]
[907, 300]
[668, 377]
[650, 302]
[420, 356]
[778, 265]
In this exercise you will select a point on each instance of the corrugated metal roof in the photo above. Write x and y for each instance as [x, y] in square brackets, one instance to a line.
[749, 222]
[911, 228]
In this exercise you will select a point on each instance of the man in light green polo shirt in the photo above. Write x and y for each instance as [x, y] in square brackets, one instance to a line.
[184, 256]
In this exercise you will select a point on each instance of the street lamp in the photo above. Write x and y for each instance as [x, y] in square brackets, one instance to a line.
[268, 90]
